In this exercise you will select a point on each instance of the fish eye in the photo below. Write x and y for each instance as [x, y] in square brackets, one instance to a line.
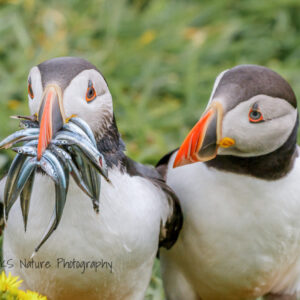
[90, 93]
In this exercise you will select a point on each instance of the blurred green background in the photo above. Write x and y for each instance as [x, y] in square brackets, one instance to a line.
[159, 57]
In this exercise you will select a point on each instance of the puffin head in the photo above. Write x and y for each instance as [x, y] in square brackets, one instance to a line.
[252, 112]
[63, 87]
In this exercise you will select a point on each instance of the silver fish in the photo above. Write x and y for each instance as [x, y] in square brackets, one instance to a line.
[62, 142]
[25, 198]
[85, 127]
[53, 167]
[25, 139]
[59, 168]
[26, 150]
[89, 175]
[96, 184]
[73, 150]
[62, 154]
[72, 168]
[48, 168]
[92, 154]
[15, 137]
[61, 190]
[71, 127]
[11, 180]
[28, 124]
[17, 186]
[32, 143]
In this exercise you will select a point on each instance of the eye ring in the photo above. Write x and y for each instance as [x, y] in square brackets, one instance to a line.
[29, 89]
[255, 115]
[90, 93]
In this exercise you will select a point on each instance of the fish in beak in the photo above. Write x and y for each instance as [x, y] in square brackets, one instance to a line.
[51, 117]
[203, 141]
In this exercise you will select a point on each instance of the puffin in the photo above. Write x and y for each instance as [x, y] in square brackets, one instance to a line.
[237, 176]
[108, 255]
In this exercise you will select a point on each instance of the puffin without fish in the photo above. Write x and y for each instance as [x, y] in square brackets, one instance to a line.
[91, 256]
[240, 195]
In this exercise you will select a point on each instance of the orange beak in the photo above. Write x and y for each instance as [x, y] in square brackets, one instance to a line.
[50, 116]
[202, 142]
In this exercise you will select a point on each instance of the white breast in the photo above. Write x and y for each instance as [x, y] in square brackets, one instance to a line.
[124, 233]
[241, 235]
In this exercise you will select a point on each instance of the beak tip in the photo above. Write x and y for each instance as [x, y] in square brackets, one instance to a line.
[180, 161]
[40, 152]
[177, 161]
[175, 165]
[198, 146]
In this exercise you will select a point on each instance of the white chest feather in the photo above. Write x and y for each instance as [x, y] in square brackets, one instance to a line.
[124, 234]
[241, 235]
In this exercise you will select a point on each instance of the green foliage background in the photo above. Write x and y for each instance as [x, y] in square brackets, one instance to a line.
[159, 57]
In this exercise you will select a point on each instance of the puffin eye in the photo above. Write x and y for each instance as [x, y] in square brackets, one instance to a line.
[255, 116]
[90, 93]
[30, 91]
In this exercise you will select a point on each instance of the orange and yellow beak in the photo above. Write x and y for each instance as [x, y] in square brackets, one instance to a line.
[50, 116]
[203, 141]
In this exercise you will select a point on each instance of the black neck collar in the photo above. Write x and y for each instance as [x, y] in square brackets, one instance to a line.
[111, 146]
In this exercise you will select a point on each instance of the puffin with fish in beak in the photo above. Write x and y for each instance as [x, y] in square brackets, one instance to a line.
[237, 178]
[71, 109]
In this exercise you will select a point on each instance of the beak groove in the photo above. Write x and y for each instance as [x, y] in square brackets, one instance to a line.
[202, 142]
[50, 117]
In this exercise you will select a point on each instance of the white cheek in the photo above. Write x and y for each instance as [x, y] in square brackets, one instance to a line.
[95, 112]
[37, 88]
[92, 112]
[98, 112]
[256, 139]
[32, 105]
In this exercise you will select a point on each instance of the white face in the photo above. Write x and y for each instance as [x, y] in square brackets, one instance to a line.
[96, 112]
[278, 118]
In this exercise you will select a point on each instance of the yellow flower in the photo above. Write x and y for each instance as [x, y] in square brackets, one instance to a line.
[147, 37]
[29, 295]
[9, 283]
[196, 35]
[13, 104]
